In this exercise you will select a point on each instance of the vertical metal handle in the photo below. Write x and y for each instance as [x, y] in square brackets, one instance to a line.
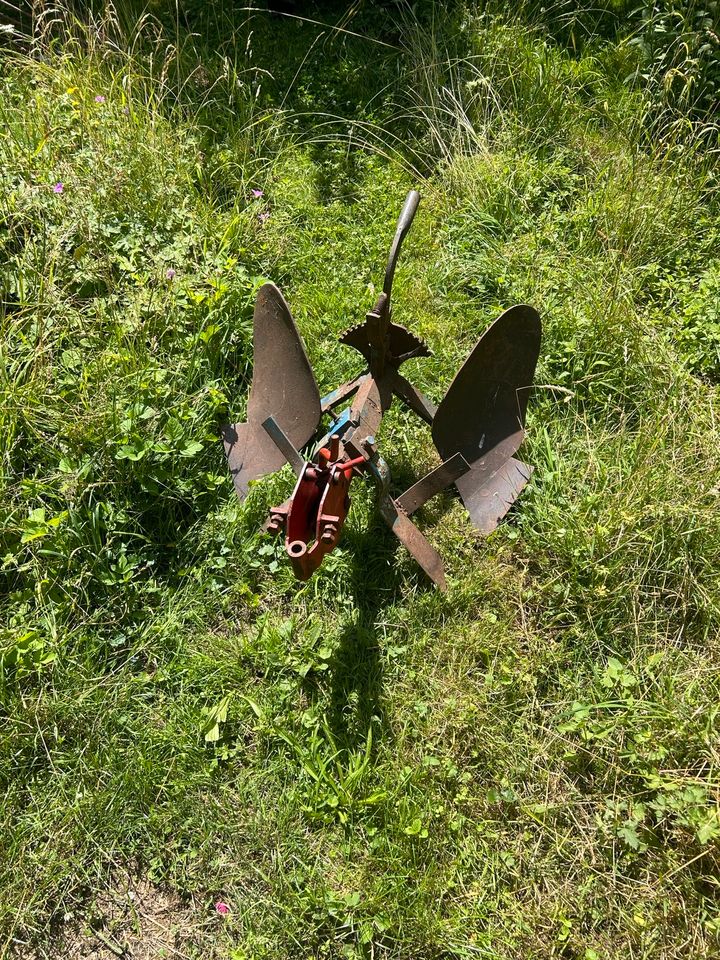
[403, 225]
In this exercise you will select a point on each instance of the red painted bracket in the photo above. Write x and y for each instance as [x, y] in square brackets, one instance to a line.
[314, 516]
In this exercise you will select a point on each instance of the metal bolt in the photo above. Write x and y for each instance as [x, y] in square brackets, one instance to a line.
[329, 533]
[370, 446]
[277, 522]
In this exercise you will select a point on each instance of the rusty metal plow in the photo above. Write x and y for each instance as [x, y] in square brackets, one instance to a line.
[477, 427]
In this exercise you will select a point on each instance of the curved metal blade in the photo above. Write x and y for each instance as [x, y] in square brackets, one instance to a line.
[283, 387]
[482, 415]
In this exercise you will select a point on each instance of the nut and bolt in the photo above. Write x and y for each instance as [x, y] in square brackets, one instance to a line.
[329, 533]
[370, 446]
[277, 522]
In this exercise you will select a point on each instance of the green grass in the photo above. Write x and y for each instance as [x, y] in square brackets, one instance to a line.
[359, 766]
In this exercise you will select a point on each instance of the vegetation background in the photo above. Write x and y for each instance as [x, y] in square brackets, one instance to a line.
[358, 767]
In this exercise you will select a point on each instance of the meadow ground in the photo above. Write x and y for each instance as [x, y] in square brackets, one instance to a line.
[359, 767]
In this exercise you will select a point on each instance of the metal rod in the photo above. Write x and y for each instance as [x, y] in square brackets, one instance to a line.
[403, 225]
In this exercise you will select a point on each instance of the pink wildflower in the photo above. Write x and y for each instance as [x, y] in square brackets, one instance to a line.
[170, 273]
[99, 98]
[222, 908]
[257, 194]
[58, 188]
[264, 216]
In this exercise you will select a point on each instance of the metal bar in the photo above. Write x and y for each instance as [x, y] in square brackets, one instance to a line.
[349, 465]
[340, 393]
[284, 445]
[409, 535]
[432, 483]
[410, 395]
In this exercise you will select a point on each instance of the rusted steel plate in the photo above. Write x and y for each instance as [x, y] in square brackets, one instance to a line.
[401, 344]
[489, 496]
[432, 483]
[486, 402]
[283, 387]
[370, 403]
[483, 412]
[411, 538]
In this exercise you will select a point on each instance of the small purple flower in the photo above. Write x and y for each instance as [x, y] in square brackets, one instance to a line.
[170, 273]
[222, 908]
[126, 111]
[264, 216]
[99, 98]
[58, 188]
[257, 193]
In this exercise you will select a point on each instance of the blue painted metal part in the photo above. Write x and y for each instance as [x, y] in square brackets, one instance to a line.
[341, 423]
[339, 427]
[327, 401]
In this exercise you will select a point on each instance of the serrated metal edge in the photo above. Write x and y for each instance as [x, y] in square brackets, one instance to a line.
[356, 326]
[413, 336]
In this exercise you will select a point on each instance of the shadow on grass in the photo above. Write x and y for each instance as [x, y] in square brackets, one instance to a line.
[356, 692]
[356, 707]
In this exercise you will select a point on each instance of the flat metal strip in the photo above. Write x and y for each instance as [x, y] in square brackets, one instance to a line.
[341, 393]
[284, 445]
[409, 535]
[413, 397]
[432, 483]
